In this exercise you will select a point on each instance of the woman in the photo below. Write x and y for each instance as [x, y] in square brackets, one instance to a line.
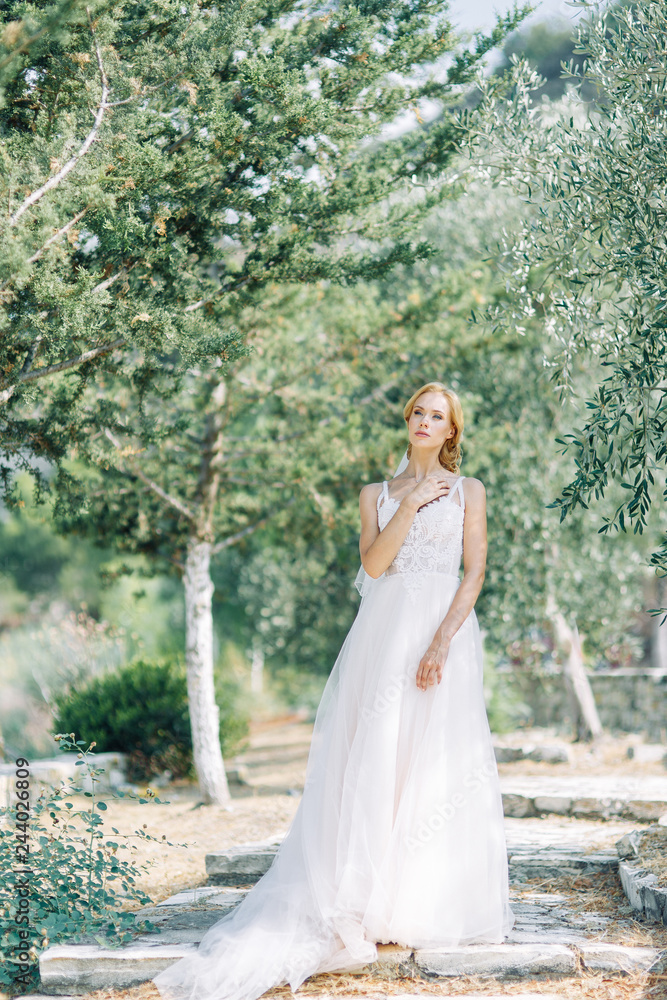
[399, 834]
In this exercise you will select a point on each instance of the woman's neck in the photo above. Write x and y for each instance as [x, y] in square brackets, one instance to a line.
[421, 466]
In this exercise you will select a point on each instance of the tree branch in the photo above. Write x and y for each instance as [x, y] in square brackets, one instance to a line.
[108, 282]
[221, 291]
[233, 539]
[155, 487]
[52, 239]
[29, 376]
[80, 359]
[90, 138]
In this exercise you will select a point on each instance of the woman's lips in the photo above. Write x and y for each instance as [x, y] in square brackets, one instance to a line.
[422, 434]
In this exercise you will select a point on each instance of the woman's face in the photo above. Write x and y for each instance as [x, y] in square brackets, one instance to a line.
[429, 425]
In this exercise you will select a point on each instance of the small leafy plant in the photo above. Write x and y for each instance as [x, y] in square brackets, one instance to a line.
[60, 878]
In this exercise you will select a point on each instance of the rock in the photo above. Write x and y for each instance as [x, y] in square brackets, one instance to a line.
[507, 755]
[648, 753]
[517, 806]
[603, 957]
[238, 775]
[239, 865]
[644, 894]
[550, 754]
[79, 969]
[642, 809]
[553, 804]
[602, 808]
[498, 960]
[628, 846]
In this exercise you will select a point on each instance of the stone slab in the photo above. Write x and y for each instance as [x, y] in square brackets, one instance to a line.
[242, 864]
[208, 895]
[518, 806]
[643, 892]
[604, 957]
[79, 969]
[597, 797]
[545, 753]
[48, 772]
[555, 862]
[247, 863]
[39, 996]
[500, 960]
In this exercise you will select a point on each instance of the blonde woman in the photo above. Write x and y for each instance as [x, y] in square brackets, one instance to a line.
[399, 834]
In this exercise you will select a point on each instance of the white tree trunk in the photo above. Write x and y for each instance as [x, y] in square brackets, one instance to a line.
[257, 669]
[584, 710]
[204, 713]
[658, 631]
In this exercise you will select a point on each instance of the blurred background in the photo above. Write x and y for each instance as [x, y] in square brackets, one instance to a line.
[74, 610]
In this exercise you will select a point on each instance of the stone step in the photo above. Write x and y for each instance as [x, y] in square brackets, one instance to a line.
[74, 970]
[246, 863]
[595, 797]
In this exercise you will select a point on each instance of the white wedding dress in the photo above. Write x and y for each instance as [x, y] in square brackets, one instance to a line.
[399, 835]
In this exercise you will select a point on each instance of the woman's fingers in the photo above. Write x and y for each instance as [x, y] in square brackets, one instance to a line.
[428, 674]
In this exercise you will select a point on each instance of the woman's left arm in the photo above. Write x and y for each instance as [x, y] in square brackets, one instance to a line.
[474, 566]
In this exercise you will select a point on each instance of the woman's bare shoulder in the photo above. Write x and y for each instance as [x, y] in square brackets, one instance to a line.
[473, 489]
[370, 492]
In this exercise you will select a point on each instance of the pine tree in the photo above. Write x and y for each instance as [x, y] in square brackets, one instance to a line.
[232, 148]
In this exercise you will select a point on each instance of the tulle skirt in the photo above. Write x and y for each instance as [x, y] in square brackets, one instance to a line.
[399, 835]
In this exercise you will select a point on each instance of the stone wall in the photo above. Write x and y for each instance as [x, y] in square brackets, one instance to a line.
[628, 700]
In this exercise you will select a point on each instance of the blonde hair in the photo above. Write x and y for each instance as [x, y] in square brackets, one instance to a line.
[450, 453]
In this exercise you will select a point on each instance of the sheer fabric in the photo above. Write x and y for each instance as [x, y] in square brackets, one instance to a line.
[399, 835]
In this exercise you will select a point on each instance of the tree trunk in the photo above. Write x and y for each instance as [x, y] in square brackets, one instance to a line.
[658, 631]
[204, 713]
[257, 668]
[584, 712]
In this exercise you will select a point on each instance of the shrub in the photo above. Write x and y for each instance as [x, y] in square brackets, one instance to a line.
[142, 709]
[62, 880]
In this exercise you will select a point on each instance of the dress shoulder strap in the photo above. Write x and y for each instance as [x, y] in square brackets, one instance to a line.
[459, 488]
[384, 494]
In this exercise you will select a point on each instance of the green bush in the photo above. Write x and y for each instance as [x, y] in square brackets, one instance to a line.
[62, 879]
[142, 709]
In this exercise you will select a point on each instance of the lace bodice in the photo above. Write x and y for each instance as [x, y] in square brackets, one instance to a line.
[434, 543]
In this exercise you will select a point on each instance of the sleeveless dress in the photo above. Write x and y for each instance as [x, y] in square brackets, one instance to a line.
[399, 834]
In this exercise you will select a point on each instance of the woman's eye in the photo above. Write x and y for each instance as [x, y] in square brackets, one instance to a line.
[437, 416]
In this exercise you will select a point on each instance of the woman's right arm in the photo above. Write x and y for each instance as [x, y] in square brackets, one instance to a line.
[378, 548]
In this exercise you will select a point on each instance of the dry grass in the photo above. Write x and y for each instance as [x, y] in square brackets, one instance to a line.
[602, 894]
[653, 853]
[608, 755]
[590, 986]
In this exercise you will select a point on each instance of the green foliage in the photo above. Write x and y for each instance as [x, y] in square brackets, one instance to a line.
[142, 709]
[545, 46]
[592, 262]
[62, 879]
[228, 151]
